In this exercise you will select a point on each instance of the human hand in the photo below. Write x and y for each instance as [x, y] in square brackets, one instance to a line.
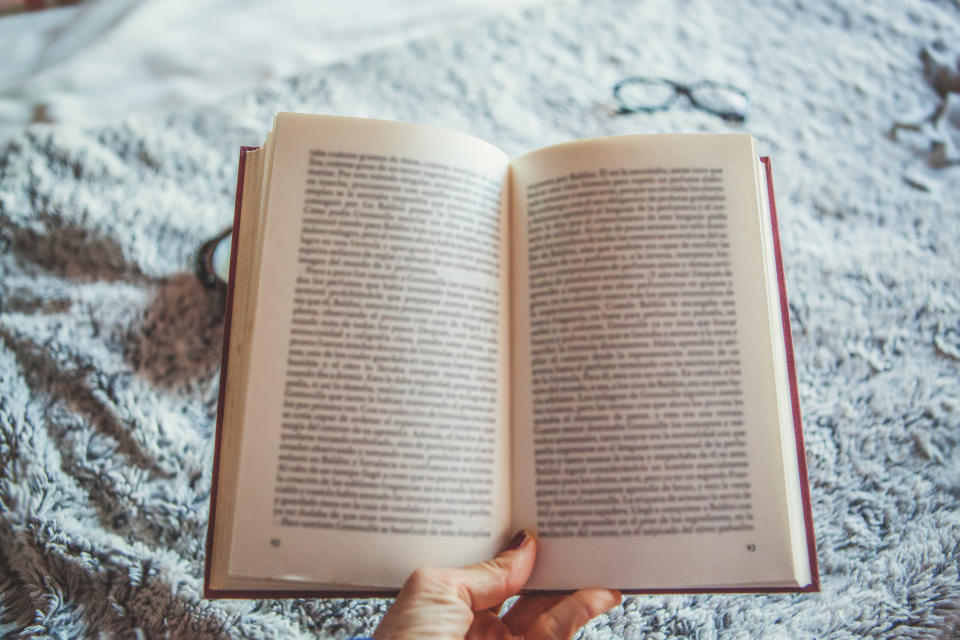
[458, 604]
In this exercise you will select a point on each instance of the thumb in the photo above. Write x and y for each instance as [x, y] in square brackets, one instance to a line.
[489, 583]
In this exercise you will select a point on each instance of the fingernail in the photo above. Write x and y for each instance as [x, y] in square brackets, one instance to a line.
[517, 541]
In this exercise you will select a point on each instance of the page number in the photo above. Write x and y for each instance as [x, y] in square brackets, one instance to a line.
[751, 547]
[274, 542]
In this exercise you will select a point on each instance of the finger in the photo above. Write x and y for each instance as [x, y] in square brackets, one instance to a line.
[514, 543]
[562, 620]
[487, 626]
[484, 584]
[527, 609]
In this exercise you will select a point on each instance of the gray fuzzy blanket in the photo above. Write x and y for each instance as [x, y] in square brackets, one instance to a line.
[109, 347]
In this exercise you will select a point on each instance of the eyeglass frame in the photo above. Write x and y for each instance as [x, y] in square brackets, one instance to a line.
[678, 90]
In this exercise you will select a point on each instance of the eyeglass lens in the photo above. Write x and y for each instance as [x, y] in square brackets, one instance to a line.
[645, 94]
[724, 101]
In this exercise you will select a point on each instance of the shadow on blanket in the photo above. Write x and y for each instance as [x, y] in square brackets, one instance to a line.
[67, 249]
[178, 338]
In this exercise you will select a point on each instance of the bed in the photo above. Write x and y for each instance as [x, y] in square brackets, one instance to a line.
[110, 346]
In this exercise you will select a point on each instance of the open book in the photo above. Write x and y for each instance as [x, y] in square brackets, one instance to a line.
[430, 346]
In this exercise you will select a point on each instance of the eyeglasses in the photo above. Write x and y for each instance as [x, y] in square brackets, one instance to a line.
[647, 95]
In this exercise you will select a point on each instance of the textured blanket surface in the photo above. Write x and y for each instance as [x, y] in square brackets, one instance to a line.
[109, 347]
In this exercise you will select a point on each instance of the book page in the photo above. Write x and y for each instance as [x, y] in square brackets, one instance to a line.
[647, 437]
[375, 419]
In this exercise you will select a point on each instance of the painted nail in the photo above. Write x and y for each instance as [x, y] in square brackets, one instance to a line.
[517, 541]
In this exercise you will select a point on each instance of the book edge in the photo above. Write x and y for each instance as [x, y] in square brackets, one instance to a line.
[794, 390]
[243, 594]
[221, 393]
